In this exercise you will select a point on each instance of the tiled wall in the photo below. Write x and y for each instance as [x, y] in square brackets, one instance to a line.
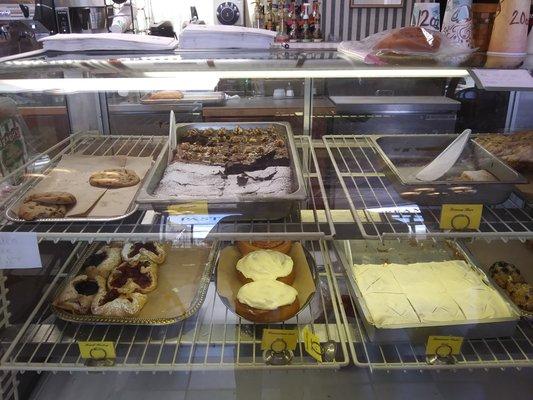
[340, 22]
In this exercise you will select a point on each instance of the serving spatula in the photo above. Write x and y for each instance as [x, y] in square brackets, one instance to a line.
[445, 160]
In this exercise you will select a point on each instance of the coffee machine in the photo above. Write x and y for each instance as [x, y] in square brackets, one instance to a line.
[18, 30]
[73, 16]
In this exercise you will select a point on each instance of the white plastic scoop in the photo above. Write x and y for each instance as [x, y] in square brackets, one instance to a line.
[445, 160]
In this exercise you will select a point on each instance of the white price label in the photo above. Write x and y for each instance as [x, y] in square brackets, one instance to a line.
[19, 250]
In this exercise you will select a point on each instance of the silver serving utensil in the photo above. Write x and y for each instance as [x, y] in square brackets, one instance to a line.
[445, 160]
[329, 350]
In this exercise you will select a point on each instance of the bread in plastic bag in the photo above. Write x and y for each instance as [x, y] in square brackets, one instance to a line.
[393, 45]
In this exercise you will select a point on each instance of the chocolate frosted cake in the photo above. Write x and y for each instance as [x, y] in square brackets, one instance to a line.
[214, 163]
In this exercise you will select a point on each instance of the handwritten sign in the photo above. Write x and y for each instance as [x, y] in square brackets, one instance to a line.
[444, 346]
[279, 340]
[97, 350]
[19, 250]
[501, 79]
[460, 216]
[312, 344]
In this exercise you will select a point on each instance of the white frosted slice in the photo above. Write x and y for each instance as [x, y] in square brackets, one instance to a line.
[390, 309]
[267, 295]
[265, 265]
[480, 303]
[375, 278]
[416, 277]
[436, 308]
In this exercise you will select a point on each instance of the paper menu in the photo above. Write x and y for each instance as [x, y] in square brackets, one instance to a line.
[19, 250]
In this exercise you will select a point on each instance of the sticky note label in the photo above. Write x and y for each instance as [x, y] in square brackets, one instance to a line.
[279, 340]
[460, 216]
[312, 344]
[195, 207]
[444, 346]
[97, 350]
[19, 250]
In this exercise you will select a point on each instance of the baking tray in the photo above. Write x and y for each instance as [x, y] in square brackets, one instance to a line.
[11, 210]
[206, 98]
[311, 264]
[195, 305]
[238, 207]
[405, 155]
[373, 252]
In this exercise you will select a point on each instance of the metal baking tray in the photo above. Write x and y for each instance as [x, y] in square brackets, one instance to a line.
[121, 143]
[238, 207]
[196, 304]
[206, 98]
[405, 155]
[373, 252]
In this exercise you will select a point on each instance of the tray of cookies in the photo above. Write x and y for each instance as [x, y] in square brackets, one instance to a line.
[266, 282]
[478, 176]
[136, 284]
[82, 188]
[241, 169]
[409, 291]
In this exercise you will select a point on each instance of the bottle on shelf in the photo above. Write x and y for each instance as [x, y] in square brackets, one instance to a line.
[258, 15]
[305, 23]
[317, 32]
[293, 23]
[282, 23]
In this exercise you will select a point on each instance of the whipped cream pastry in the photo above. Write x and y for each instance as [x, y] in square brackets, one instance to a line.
[267, 295]
[265, 265]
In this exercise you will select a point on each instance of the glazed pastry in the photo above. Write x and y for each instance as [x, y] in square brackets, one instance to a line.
[265, 265]
[267, 301]
[138, 276]
[150, 250]
[77, 295]
[103, 262]
[111, 303]
[522, 295]
[245, 247]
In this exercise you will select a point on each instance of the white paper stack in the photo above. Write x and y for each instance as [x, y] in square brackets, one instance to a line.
[225, 37]
[107, 41]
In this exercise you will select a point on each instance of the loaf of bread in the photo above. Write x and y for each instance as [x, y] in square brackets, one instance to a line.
[167, 95]
[411, 39]
[515, 149]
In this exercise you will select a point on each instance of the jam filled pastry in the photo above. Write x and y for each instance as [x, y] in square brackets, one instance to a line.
[138, 276]
[114, 304]
[102, 262]
[245, 247]
[78, 295]
[150, 250]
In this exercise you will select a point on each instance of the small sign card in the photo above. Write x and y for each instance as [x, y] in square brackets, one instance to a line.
[19, 250]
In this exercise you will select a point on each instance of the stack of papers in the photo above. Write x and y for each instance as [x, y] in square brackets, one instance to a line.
[225, 37]
[107, 41]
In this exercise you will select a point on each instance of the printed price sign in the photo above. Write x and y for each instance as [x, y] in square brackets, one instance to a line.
[97, 350]
[279, 340]
[195, 207]
[460, 216]
[444, 346]
[312, 344]
[19, 250]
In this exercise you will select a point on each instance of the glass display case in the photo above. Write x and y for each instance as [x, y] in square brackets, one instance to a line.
[348, 131]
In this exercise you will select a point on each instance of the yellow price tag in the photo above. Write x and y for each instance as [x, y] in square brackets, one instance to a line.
[278, 340]
[444, 346]
[312, 344]
[460, 216]
[97, 350]
[195, 207]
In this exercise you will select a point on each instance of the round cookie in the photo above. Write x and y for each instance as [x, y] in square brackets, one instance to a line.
[114, 178]
[32, 210]
[522, 295]
[52, 198]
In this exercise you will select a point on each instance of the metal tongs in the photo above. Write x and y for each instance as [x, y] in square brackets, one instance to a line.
[445, 160]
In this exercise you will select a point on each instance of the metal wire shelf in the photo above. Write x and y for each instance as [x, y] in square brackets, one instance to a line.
[380, 212]
[143, 225]
[507, 352]
[212, 339]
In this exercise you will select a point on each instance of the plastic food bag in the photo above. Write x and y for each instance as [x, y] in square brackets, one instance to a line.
[395, 45]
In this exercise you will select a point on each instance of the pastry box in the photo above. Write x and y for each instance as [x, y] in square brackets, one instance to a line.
[367, 253]
[405, 155]
[245, 206]
[228, 284]
[182, 284]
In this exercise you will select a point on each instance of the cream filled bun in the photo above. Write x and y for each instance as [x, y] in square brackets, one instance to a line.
[265, 265]
[267, 295]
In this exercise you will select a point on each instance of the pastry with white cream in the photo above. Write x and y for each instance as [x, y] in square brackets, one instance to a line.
[266, 265]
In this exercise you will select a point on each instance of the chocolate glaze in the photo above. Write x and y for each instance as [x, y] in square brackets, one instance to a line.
[110, 296]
